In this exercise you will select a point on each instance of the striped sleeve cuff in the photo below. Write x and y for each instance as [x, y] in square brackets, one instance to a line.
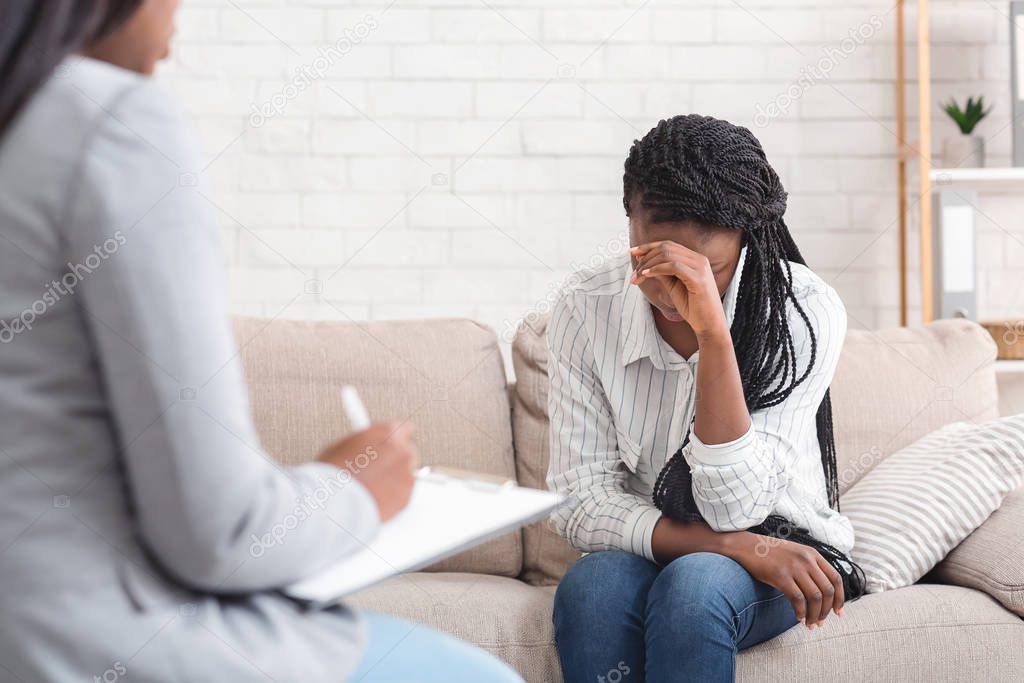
[719, 454]
[642, 523]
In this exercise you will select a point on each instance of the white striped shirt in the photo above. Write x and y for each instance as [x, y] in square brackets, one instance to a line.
[621, 402]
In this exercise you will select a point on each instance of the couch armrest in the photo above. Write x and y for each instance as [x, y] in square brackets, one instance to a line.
[991, 559]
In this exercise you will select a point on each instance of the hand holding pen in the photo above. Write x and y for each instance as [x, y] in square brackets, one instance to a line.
[382, 457]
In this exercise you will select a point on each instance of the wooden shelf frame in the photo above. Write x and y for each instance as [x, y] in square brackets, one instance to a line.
[923, 153]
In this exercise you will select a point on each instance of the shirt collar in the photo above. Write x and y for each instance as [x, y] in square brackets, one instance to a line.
[640, 334]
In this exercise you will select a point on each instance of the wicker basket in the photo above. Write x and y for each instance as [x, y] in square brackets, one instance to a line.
[1009, 336]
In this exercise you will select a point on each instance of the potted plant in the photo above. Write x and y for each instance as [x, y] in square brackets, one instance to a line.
[967, 150]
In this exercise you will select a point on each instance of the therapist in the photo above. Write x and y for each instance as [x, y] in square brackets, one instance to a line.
[132, 483]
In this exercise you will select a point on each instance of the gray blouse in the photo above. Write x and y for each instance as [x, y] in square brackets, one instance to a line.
[133, 488]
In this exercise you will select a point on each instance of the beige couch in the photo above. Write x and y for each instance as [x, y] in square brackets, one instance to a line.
[447, 375]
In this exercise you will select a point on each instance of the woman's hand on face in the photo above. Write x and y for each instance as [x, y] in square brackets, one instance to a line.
[690, 282]
[382, 458]
[812, 585]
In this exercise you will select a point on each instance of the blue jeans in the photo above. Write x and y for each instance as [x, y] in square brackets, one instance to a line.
[401, 651]
[620, 618]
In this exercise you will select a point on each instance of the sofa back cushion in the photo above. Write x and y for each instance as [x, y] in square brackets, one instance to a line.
[891, 388]
[896, 385]
[446, 376]
[546, 555]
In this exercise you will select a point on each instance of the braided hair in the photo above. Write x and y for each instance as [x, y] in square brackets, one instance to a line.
[710, 172]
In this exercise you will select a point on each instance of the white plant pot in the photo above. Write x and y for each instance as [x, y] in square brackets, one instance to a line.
[963, 151]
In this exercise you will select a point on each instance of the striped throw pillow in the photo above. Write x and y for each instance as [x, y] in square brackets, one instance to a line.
[922, 501]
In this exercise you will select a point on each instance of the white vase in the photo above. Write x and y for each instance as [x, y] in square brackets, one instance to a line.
[963, 151]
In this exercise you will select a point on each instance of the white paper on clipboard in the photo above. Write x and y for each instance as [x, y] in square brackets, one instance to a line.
[445, 516]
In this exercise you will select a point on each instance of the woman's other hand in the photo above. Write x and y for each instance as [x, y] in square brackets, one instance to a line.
[812, 585]
[383, 459]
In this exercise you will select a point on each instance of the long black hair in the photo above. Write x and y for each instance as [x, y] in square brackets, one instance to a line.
[36, 36]
[710, 172]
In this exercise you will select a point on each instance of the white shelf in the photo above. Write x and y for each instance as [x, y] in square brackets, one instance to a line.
[980, 179]
[1010, 366]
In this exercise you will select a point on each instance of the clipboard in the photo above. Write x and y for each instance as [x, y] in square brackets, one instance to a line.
[450, 511]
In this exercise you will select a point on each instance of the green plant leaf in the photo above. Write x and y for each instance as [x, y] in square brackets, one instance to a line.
[968, 117]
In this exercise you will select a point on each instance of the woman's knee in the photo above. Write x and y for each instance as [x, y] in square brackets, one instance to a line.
[699, 585]
[604, 581]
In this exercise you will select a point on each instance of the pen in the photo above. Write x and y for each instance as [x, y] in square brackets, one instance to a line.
[354, 409]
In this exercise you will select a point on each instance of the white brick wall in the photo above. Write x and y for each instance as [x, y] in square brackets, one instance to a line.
[458, 157]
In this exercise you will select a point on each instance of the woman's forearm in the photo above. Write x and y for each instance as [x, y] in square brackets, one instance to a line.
[672, 539]
[722, 414]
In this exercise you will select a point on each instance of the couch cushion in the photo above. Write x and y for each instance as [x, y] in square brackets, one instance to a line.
[546, 555]
[506, 617]
[926, 633]
[992, 558]
[894, 386]
[444, 375]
